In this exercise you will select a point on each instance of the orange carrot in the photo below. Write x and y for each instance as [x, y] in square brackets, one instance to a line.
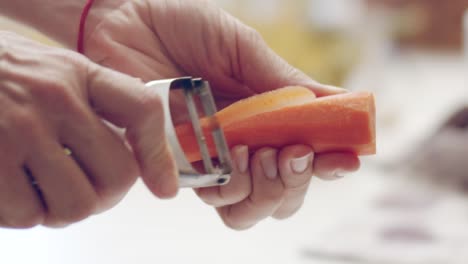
[289, 116]
[265, 102]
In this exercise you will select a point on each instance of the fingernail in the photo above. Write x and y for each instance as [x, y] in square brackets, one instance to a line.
[268, 162]
[339, 174]
[242, 158]
[301, 164]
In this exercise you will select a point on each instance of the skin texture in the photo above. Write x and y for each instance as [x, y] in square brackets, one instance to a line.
[53, 98]
[155, 39]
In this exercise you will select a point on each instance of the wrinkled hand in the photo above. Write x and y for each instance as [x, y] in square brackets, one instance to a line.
[52, 98]
[154, 39]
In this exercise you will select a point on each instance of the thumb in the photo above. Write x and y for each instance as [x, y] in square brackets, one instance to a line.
[264, 70]
[127, 103]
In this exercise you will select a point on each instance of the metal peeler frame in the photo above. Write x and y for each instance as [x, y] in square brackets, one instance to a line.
[188, 175]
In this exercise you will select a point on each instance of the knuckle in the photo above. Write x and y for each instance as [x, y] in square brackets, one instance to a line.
[77, 211]
[26, 219]
[70, 58]
[156, 159]
[284, 213]
[237, 220]
[244, 193]
[51, 91]
[82, 211]
[56, 93]
[13, 93]
[66, 60]
[297, 182]
[152, 103]
[236, 225]
[232, 196]
[252, 33]
[60, 103]
[150, 112]
[272, 196]
[112, 192]
[214, 197]
[25, 121]
[298, 191]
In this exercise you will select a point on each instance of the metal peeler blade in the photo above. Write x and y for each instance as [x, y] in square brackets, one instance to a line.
[214, 174]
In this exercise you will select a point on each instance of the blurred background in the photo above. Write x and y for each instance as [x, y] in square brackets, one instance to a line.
[407, 205]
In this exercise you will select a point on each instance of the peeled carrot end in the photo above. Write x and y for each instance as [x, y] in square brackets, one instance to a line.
[293, 115]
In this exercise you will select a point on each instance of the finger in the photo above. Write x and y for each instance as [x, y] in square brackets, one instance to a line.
[237, 189]
[264, 70]
[68, 195]
[266, 196]
[20, 207]
[103, 156]
[127, 103]
[295, 166]
[332, 166]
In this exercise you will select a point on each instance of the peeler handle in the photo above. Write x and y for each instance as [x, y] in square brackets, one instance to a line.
[189, 177]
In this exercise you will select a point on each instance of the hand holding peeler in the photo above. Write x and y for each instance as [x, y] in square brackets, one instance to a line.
[192, 88]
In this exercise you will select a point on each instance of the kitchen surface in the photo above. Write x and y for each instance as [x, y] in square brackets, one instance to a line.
[406, 205]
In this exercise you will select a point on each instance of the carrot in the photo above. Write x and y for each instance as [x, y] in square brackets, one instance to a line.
[265, 102]
[289, 116]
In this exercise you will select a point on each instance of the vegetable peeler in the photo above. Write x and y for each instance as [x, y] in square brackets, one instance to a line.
[195, 88]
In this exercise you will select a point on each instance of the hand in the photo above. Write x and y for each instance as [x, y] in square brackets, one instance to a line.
[52, 98]
[154, 39]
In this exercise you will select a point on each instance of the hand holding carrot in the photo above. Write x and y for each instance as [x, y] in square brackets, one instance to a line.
[155, 39]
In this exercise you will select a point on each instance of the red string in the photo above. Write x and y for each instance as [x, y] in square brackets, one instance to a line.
[81, 31]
